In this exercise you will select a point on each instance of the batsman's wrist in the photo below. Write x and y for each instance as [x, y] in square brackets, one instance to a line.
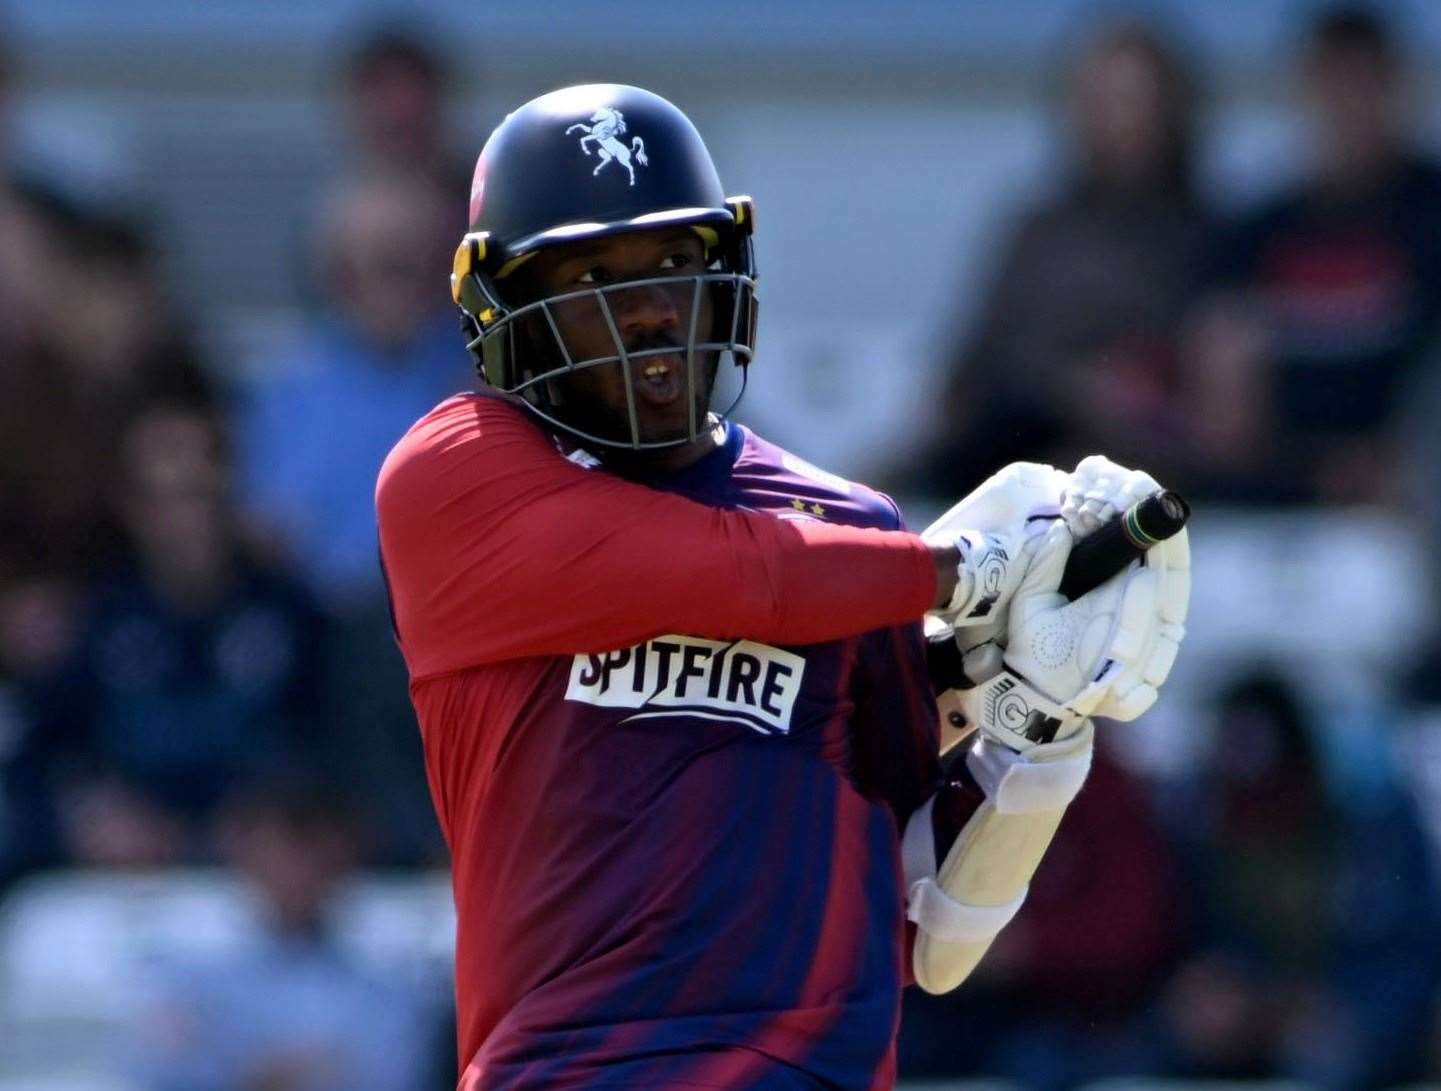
[984, 569]
[947, 559]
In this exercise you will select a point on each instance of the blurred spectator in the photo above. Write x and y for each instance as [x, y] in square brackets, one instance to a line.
[1317, 958]
[6, 64]
[1074, 349]
[395, 86]
[85, 340]
[321, 418]
[319, 422]
[22, 254]
[37, 610]
[1332, 291]
[38, 622]
[95, 340]
[197, 662]
[293, 1011]
[1431, 1077]
[1062, 997]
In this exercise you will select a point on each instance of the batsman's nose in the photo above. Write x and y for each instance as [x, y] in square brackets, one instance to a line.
[644, 307]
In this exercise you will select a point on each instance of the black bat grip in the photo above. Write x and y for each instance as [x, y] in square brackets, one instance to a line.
[1100, 555]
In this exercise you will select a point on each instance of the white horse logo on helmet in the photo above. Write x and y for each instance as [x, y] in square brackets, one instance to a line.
[606, 126]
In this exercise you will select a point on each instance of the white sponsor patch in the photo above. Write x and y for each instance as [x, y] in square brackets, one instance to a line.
[742, 681]
[803, 468]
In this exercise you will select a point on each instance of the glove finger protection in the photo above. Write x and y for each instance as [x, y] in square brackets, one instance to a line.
[1090, 495]
[989, 527]
[1098, 489]
[1150, 630]
[1105, 654]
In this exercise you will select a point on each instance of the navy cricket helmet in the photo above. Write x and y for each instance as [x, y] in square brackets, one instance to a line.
[583, 163]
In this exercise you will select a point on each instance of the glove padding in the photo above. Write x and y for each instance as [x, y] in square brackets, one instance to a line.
[1098, 489]
[990, 526]
[1104, 654]
[960, 905]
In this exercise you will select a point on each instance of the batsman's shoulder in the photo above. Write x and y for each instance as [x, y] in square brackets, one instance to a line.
[467, 434]
[881, 508]
[825, 495]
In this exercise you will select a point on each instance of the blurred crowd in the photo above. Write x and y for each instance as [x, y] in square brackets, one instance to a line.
[194, 639]
[1260, 916]
[192, 613]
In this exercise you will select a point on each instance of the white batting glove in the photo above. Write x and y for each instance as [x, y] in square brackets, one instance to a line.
[1105, 654]
[1099, 489]
[991, 527]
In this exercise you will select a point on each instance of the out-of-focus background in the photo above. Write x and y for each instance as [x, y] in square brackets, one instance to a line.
[1203, 238]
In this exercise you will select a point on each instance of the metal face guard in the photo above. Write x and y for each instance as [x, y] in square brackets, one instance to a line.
[727, 336]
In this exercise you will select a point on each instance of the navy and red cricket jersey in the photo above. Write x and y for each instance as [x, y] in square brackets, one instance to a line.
[669, 729]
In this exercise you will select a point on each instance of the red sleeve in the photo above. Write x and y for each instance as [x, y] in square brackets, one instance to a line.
[496, 547]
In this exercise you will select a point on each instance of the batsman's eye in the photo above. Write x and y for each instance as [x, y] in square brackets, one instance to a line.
[596, 274]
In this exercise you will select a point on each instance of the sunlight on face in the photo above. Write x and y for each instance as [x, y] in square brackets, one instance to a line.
[645, 317]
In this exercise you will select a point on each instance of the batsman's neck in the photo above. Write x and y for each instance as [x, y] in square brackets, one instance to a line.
[660, 461]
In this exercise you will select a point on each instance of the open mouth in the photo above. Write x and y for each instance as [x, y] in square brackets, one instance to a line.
[659, 380]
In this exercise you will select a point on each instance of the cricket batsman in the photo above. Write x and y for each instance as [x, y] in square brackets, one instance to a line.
[672, 680]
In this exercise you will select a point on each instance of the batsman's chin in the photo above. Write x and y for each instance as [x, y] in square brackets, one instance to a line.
[669, 424]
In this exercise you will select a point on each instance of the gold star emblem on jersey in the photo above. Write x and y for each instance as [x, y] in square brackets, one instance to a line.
[798, 504]
[816, 509]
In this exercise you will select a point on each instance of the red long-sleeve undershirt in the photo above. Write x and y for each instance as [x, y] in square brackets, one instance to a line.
[496, 547]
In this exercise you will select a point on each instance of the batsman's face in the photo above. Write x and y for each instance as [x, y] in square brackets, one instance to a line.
[640, 317]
